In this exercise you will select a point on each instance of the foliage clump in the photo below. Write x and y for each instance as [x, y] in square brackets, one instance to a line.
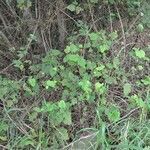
[94, 91]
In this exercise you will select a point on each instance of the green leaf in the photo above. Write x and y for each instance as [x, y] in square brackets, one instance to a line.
[146, 81]
[22, 53]
[53, 71]
[49, 107]
[76, 59]
[64, 133]
[98, 70]
[127, 89]
[3, 126]
[113, 113]
[33, 116]
[82, 62]
[147, 148]
[50, 83]
[78, 9]
[138, 101]
[91, 65]
[100, 88]
[71, 7]
[103, 48]
[25, 141]
[116, 62]
[140, 27]
[114, 35]
[55, 52]
[94, 36]
[18, 64]
[94, 1]
[9, 103]
[139, 53]
[3, 92]
[62, 104]
[72, 48]
[85, 85]
[71, 57]
[3, 138]
[32, 81]
[22, 4]
[67, 118]
[33, 37]
[140, 67]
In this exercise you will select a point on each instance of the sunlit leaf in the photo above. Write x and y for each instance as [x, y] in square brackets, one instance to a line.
[32, 81]
[113, 113]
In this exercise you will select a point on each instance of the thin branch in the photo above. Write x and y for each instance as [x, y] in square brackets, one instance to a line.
[122, 29]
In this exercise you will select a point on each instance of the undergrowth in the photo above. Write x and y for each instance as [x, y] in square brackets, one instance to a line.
[92, 94]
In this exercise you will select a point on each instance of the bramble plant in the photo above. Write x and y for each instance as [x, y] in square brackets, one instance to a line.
[92, 94]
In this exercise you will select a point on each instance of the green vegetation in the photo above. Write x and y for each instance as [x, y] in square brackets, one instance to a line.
[90, 90]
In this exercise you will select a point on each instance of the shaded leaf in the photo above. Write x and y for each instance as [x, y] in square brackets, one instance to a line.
[64, 133]
[127, 89]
